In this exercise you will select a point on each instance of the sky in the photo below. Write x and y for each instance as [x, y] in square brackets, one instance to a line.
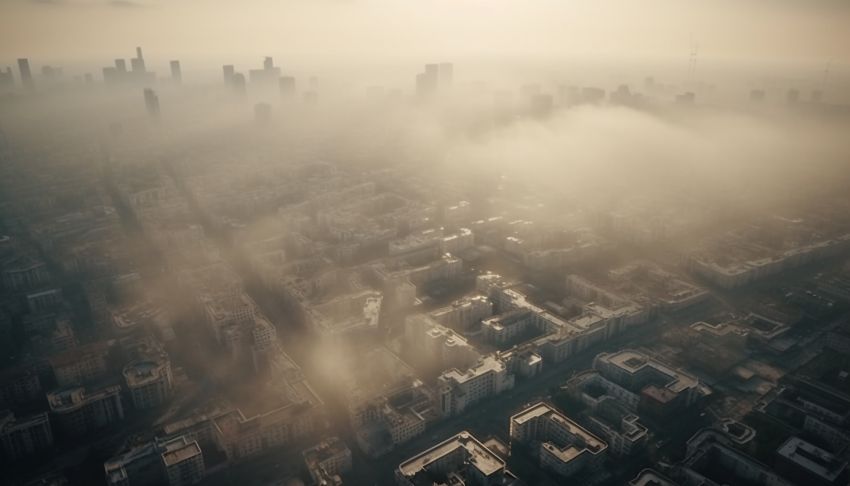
[350, 31]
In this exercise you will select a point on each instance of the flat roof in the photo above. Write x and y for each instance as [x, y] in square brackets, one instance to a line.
[591, 443]
[633, 361]
[479, 456]
[180, 453]
[812, 458]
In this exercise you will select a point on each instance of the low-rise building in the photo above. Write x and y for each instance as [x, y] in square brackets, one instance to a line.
[464, 314]
[712, 461]
[662, 389]
[458, 390]
[560, 444]
[806, 463]
[461, 459]
[327, 460]
[649, 477]
[622, 430]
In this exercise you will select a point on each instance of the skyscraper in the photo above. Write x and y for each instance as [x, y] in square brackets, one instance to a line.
[26, 74]
[238, 83]
[176, 73]
[152, 103]
[227, 71]
[138, 62]
[426, 83]
[121, 65]
[7, 79]
[267, 76]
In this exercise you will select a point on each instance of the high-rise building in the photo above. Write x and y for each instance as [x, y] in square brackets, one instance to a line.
[138, 62]
[152, 103]
[435, 76]
[238, 83]
[266, 76]
[118, 74]
[150, 381]
[228, 72]
[78, 411]
[176, 73]
[24, 436]
[176, 462]
[26, 74]
[7, 79]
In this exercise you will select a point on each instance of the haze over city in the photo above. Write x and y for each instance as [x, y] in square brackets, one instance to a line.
[469, 242]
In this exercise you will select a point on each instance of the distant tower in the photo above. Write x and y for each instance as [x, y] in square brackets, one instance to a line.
[121, 65]
[426, 83]
[228, 71]
[7, 79]
[268, 76]
[138, 62]
[152, 103]
[26, 74]
[176, 73]
[238, 83]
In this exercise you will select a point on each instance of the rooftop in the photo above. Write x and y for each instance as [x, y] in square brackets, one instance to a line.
[634, 362]
[812, 458]
[177, 452]
[475, 453]
[588, 441]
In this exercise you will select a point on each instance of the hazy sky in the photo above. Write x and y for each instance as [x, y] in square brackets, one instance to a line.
[391, 30]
